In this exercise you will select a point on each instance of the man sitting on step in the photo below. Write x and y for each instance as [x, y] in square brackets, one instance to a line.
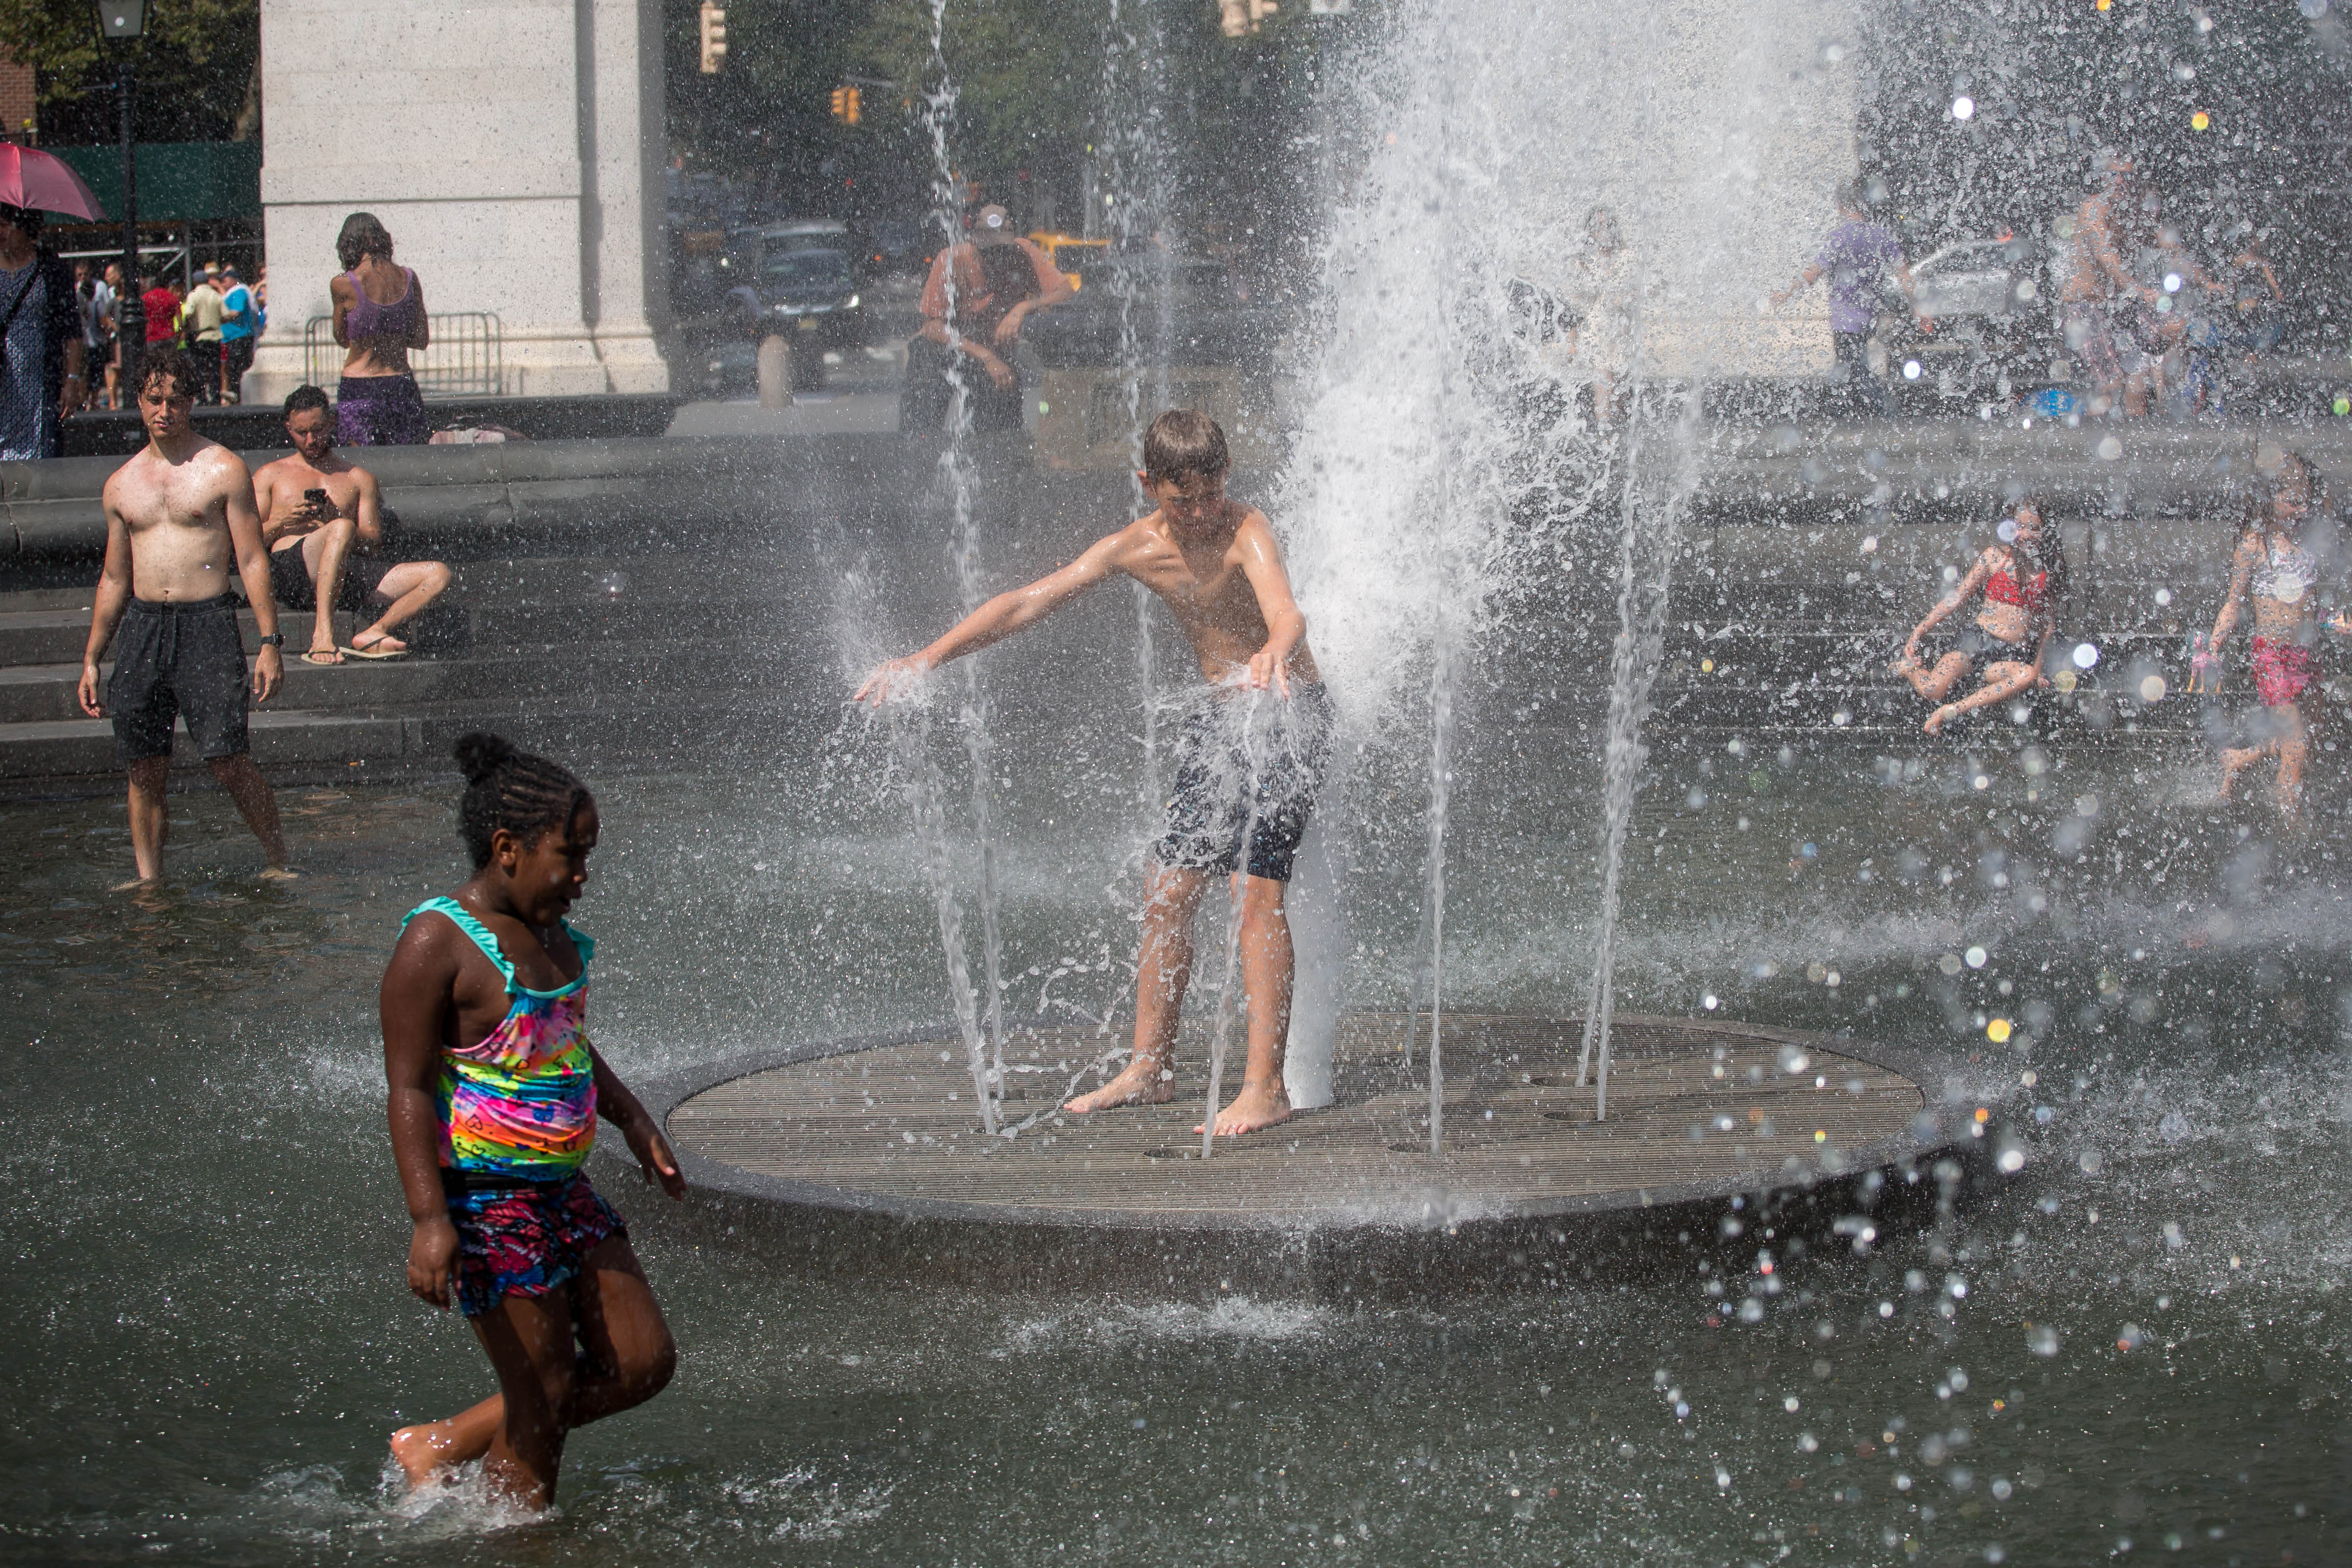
[322, 519]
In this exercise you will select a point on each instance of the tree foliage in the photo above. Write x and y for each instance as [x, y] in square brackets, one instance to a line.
[194, 67]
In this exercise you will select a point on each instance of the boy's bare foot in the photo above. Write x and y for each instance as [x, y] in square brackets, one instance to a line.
[280, 874]
[1904, 664]
[1936, 721]
[1250, 1109]
[137, 884]
[1143, 1083]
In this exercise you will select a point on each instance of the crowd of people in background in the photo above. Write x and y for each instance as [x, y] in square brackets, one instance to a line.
[215, 321]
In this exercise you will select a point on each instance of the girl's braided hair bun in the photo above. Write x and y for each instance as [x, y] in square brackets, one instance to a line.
[528, 795]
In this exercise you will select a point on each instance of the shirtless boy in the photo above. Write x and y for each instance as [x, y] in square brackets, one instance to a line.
[1214, 563]
[317, 511]
[177, 516]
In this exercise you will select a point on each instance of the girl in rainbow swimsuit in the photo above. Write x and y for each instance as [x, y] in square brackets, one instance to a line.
[494, 1093]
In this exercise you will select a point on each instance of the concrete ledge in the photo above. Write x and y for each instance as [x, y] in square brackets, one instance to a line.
[1881, 473]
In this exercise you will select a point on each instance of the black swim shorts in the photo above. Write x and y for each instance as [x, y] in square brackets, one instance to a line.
[178, 660]
[291, 584]
[1246, 769]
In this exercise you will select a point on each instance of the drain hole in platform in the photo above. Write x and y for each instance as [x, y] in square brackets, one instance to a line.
[1174, 1152]
[1576, 1116]
[1420, 1148]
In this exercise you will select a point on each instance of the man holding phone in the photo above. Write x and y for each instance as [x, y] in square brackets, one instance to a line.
[322, 519]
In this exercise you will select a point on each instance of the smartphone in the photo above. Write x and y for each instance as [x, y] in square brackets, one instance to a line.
[316, 498]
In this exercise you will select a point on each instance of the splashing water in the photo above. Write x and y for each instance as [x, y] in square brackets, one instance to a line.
[1652, 532]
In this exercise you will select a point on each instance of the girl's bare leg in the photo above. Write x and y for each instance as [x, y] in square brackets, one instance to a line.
[432, 1447]
[2236, 760]
[1163, 968]
[2293, 749]
[1932, 683]
[624, 1357]
[2002, 681]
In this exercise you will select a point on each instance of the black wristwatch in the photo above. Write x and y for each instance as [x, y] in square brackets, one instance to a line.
[275, 639]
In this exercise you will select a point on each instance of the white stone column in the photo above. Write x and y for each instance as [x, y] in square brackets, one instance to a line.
[512, 150]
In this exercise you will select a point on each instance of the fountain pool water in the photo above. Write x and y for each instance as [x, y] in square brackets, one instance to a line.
[2146, 1324]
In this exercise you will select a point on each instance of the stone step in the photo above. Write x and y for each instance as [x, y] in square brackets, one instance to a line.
[294, 745]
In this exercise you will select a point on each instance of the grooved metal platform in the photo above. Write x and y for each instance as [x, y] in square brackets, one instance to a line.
[1695, 1110]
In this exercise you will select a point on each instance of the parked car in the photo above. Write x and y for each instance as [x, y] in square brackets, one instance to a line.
[1991, 315]
[750, 247]
[811, 296]
[896, 248]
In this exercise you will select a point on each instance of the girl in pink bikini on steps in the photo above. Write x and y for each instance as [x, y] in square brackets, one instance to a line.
[2276, 572]
[2023, 581]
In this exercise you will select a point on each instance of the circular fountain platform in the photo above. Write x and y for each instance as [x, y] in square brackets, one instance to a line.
[1697, 1110]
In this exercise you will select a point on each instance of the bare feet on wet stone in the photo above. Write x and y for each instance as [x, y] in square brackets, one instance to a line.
[1143, 1083]
[1251, 1109]
[1939, 717]
[280, 874]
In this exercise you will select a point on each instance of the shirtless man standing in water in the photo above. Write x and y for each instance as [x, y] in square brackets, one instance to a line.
[1243, 790]
[177, 516]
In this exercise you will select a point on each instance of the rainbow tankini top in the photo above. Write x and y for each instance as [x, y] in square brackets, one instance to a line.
[521, 1104]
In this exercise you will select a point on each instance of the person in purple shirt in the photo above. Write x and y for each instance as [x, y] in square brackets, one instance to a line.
[1856, 257]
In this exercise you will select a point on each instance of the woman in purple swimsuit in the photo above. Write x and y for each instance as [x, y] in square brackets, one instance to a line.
[379, 317]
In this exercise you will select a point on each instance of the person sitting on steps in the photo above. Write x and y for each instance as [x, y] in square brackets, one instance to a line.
[322, 517]
[2023, 580]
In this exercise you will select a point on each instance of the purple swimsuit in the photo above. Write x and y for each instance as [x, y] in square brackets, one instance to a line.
[381, 410]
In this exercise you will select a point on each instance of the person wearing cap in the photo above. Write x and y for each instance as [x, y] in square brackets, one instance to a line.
[41, 338]
[240, 315]
[981, 291]
[202, 317]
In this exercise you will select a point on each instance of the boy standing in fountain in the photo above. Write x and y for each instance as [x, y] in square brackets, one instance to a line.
[1247, 769]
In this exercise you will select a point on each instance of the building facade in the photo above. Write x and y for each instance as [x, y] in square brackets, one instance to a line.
[513, 151]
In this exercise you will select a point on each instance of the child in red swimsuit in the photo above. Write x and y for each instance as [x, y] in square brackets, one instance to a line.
[2022, 579]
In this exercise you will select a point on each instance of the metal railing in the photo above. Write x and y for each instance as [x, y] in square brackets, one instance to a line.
[467, 358]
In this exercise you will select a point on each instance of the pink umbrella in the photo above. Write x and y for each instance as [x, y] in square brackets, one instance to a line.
[44, 182]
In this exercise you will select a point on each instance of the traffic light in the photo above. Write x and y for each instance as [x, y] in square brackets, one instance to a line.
[714, 36]
[846, 107]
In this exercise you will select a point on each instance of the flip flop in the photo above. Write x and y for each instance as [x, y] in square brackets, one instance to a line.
[376, 650]
[315, 657]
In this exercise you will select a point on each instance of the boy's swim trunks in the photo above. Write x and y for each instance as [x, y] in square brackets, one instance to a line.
[183, 661]
[524, 1238]
[1237, 776]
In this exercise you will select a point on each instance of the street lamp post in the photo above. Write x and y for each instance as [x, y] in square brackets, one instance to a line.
[127, 20]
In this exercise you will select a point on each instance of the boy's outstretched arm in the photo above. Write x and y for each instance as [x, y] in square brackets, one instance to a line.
[999, 618]
[1286, 626]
